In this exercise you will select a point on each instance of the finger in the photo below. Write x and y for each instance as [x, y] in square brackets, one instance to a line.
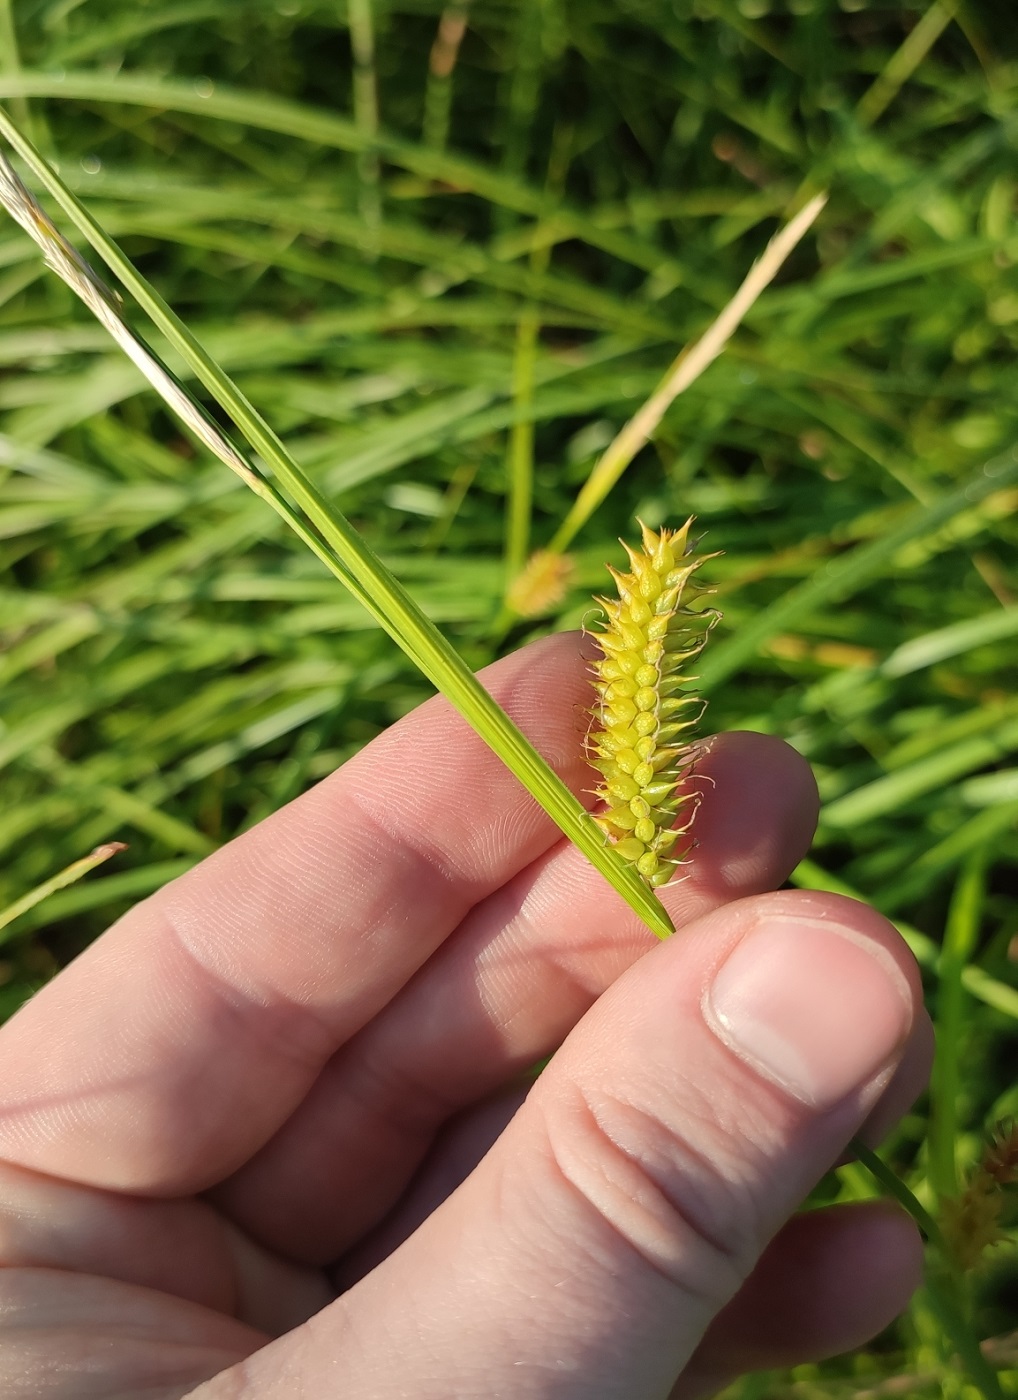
[906, 1084]
[67, 1337]
[454, 1155]
[633, 1194]
[500, 995]
[830, 1281]
[177, 1044]
[461, 1145]
[183, 1248]
[187, 1250]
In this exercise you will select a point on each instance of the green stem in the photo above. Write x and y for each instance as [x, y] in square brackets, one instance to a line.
[452, 26]
[10, 62]
[895, 1187]
[964, 918]
[60, 881]
[521, 446]
[365, 115]
[335, 541]
[943, 1284]
[528, 329]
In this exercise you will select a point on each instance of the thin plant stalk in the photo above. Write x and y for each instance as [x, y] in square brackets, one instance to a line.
[684, 370]
[452, 26]
[520, 473]
[904, 61]
[520, 457]
[943, 1286]
[323, 528]
[10, 61]
[365, 113]
[964, 918]
[59, 881]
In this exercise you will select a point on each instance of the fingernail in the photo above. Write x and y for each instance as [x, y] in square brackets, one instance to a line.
[812, 1006]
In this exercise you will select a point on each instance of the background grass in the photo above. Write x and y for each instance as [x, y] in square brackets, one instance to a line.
[448, 274]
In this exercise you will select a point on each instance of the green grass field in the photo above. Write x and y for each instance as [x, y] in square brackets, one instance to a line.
[448, 262]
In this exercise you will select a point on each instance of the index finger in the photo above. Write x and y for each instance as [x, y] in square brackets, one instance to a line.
[178, 1043]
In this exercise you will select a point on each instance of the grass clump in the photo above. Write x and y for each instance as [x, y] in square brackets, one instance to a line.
[449, 253]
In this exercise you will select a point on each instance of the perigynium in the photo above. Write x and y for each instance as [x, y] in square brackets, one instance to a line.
[642, 741]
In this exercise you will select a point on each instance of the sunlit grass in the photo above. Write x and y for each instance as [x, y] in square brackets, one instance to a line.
[174, 666]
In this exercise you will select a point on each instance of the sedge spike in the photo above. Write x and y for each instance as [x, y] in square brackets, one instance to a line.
[642, 740]
[971, 1222]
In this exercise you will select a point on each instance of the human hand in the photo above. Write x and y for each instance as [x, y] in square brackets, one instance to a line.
[278, 1080]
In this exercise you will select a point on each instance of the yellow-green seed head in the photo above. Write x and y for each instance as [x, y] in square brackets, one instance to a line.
[641, 741]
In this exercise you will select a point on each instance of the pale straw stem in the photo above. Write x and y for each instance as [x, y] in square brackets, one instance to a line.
[688, 366]
[104, 304]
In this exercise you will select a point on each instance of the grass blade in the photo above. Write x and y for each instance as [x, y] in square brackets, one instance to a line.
[266, 112]
[941, 1285]
[324, 529]
[842, 577]
[684, 370]
[949, 641]
[63, 878]
[960, 938]
[809, 876]
[885, 795]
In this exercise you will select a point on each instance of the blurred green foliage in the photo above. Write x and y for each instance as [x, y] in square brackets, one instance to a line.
[538, 216]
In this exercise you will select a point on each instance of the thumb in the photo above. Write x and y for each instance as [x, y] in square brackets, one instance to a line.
[686, 1117]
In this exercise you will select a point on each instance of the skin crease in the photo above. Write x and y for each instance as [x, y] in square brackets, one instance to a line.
[303, 1070]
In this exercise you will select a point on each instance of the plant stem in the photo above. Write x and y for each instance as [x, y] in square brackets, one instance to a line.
[942, 1283]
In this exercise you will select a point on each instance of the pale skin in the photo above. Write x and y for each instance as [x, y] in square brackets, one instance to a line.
[276, 1133]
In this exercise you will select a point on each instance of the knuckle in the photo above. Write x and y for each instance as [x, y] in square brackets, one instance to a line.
[677, 1201]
